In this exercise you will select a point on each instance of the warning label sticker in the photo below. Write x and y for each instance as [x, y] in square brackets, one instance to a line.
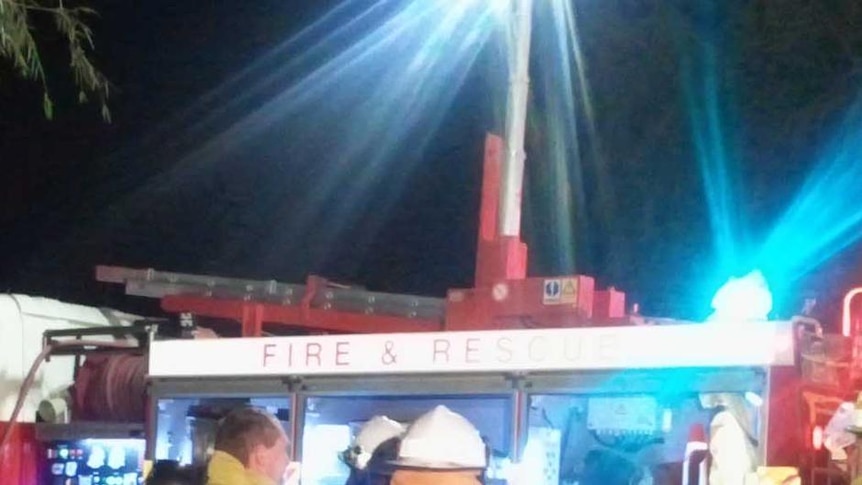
[552, 292]
[560, 291]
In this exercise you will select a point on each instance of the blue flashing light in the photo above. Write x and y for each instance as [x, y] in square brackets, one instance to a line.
[743, 299]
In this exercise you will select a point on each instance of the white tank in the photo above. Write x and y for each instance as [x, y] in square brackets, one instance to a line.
[23, 319]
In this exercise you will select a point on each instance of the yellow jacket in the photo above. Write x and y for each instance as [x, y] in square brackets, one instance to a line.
[224, 469]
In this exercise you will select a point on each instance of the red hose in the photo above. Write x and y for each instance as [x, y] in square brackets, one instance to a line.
[31, 376]
[111, 388]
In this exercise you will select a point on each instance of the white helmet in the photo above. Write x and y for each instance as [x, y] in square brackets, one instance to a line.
[374, 432]
[442, 439]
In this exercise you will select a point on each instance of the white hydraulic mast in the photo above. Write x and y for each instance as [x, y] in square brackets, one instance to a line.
[512, 174]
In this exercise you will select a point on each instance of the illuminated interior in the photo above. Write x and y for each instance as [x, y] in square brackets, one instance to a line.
[602, 428]
[331, 423]
[95, 462]
[606, 439]
[185, 430]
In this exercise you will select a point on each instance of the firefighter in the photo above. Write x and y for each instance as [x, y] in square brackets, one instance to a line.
[251, 448]
[169, 472]
[731, 440]
[374, 447]
[441, 448]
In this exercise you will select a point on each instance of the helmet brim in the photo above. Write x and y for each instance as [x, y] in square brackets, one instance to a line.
[417, 464]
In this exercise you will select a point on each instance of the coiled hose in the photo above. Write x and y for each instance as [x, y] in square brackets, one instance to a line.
[111, 388]
[31, 375]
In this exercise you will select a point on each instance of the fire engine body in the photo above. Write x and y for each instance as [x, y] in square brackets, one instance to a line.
[550, 370]
[546, 367]
[520, 387]
[612, 360]
[23, 320]
[524, 388]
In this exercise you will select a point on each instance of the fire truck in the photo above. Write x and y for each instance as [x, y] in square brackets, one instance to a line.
[551, 370]
[554, 372]
[547, 397]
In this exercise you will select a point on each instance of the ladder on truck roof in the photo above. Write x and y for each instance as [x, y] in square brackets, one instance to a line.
[319, 305]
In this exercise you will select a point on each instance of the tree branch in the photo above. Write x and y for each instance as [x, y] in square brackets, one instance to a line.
[18, 46]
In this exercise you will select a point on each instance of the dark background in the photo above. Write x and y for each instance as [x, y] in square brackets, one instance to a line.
[76, 192]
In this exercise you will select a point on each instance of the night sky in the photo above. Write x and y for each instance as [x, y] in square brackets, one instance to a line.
[77, 192]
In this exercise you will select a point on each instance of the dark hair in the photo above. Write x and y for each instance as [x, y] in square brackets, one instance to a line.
[243, 429]
[169, 472]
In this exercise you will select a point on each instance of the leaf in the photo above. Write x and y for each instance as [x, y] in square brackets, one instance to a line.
[47, 106]
[86, 11]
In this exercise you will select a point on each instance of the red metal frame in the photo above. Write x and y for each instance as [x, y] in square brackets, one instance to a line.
[22, 456]
[253, 315]
[783, 408]
[497, 258]
[503, 296]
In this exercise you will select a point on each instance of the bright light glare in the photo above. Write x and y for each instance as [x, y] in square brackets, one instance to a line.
[745, 298]
[496, 6]
[718, 167]
[825, 216]
[356, 115]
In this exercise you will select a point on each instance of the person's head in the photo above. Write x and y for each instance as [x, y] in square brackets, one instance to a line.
[257, 440]
[166, 472]
[443, 440]
[379, 468]
[375, 445]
